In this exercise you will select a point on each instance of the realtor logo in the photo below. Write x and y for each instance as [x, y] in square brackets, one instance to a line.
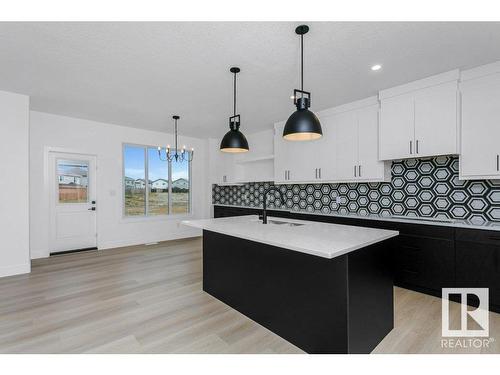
[475, 317]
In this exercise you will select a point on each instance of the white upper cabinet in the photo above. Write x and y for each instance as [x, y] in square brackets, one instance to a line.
[346, 145]
[396, 127]
[369, 167]
[222, 165]
[356, 134]
[348, 150]
[420, 119]
[480, 131]
[281, 151]
[302, 161]
[436, 125]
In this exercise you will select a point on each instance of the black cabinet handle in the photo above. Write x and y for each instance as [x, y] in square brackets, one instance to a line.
[493, 238]
[410, 247]
[495, 260]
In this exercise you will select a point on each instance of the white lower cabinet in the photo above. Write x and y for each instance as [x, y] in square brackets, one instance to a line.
[348, 150]
[480, 148]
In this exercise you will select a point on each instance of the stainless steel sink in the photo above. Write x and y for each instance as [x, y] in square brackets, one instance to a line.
[285, 223]
[419, 218]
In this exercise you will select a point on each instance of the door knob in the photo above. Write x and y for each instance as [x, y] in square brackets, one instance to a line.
[92, 209]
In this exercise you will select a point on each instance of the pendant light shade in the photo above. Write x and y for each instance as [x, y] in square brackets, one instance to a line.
[234, 141]
[302, 125]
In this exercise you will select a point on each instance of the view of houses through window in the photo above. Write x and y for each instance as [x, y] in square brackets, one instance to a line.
[167, 188]
[72, 178]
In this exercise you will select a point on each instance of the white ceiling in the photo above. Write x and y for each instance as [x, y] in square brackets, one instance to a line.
[139, 74]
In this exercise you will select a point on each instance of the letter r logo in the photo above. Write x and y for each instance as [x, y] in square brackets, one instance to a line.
[479, 315]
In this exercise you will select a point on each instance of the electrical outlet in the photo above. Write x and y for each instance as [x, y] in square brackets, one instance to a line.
[337, 200]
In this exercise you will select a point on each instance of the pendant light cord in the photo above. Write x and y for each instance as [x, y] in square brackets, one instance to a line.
[175, 130]
[234, 95]
[302, 63]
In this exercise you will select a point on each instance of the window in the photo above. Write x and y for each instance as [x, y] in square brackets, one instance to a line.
[134, 181]
[158, 184]
[180, 187]
[73, 181]
[154, 187]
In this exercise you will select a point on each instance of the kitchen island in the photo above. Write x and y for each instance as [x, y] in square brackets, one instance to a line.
[326, 288]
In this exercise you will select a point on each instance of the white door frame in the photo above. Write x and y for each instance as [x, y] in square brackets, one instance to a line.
[49, 186]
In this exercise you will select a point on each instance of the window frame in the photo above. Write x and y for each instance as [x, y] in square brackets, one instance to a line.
[146, 216]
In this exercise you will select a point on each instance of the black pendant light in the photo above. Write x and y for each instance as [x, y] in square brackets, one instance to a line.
[234, 140]
[302, 125]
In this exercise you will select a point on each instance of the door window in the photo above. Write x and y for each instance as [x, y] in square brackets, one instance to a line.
[73, 181]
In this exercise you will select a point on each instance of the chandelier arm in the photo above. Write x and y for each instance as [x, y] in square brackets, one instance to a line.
[166, 156]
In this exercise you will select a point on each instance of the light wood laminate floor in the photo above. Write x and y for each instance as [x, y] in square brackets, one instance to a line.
[148, 299]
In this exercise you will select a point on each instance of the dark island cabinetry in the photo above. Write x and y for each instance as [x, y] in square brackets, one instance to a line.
[425, 257]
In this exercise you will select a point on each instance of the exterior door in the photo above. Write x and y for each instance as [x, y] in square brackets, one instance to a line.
[72, 202]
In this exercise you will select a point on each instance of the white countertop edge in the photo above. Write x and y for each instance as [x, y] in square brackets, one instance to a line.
[457, 223]
[331, 255]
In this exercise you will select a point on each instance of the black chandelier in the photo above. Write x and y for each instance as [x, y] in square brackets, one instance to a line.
[302, 125]
[234, 140]
[176, 155]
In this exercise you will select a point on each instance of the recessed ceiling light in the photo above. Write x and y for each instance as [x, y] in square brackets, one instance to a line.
[376, 67]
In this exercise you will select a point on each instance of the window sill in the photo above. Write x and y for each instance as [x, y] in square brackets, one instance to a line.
[138, 219]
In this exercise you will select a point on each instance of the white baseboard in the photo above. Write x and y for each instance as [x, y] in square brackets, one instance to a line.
[39, 254]
[16, 269]
[102, 245]
[141, 241]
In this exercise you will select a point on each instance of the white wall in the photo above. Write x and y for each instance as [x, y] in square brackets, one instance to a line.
[52, 132]
[14, 179]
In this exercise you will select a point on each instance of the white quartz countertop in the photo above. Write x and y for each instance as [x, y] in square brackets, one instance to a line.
[310, 237]
[456, 223]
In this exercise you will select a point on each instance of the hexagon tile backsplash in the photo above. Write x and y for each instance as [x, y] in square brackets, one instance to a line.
[419, 187]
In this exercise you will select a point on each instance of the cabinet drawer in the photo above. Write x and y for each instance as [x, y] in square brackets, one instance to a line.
[424, 230]
[478, 266]
[424, 262]
[486, 237]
